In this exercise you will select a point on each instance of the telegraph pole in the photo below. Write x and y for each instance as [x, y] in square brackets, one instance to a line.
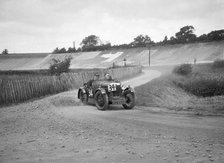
[148, 45]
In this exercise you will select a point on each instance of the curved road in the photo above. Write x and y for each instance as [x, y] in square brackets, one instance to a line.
[146, 76]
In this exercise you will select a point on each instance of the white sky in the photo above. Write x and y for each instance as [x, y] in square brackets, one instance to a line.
[43, 25]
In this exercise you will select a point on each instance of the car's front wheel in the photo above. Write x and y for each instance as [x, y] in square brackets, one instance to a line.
[101, 100]
[83, 97]
[130, 101]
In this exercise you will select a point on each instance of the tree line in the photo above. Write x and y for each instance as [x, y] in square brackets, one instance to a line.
[184, 35]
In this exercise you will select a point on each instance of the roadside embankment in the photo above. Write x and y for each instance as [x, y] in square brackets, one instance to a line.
[165, 91]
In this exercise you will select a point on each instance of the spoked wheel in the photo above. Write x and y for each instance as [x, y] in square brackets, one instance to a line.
[130, 101]
[101, 100]
[83, 97]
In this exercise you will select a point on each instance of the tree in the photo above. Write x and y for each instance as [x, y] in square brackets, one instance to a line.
[89, 42]
[57, 66]
[186, 34]
[63, 50]
[56, 50]
[173, 40]
[202, 38]
[141, 40]
[79, 50]
[216, 35]
[71, 50]
[165, 39]
[5, 51]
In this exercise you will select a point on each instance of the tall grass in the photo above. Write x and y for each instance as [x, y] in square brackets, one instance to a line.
[205, 81]
[203, 85]
[218, 63]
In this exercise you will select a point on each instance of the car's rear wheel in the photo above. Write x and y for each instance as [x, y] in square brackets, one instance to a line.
[83, 97]
[101, 100]
[130, 101]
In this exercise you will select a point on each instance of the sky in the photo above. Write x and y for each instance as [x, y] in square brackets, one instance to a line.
[33, 26]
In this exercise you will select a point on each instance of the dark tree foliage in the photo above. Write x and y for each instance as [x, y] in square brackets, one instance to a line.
[57, 66]
[216, 35]
[172, 40]
[79, 50]
[202, 38]
[93, 43]
[71, 50]
[218, 63]
[122, 46]
[56, 50]
[89, 42]
[5, 51]
[186, 34]
[141, 41]
[165, 39]
[98, 47]
[63, 50]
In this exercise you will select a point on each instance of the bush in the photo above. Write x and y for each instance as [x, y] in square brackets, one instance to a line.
[57, 66]
[5, 52]
[203, 86]
[184, 69]
[218, 63]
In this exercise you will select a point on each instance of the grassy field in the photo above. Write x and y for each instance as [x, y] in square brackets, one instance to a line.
[166, 91]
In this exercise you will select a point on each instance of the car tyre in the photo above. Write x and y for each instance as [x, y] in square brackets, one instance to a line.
[83, 97]
[101, 100]
[130, 101]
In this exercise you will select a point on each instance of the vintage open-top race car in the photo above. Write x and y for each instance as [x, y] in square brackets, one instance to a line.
[104, 92]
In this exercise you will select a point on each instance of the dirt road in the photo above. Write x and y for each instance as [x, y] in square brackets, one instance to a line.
[60, 129]
[146, 76]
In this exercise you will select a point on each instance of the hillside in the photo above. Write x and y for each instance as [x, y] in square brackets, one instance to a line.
[160, 55]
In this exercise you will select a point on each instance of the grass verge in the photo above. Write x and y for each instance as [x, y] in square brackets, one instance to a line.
[165, 92]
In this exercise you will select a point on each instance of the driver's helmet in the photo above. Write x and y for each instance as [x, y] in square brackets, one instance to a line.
[96, 76]
[108, 77]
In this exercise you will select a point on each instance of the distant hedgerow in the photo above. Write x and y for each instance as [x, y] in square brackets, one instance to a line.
[218, 63]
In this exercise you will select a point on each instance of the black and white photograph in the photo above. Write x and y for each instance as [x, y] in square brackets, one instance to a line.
[111, 81]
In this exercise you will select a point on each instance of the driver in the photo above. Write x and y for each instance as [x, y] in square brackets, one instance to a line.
[90, 82]
[108, 77]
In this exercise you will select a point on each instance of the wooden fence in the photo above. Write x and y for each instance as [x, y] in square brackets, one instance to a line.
[22, 89]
